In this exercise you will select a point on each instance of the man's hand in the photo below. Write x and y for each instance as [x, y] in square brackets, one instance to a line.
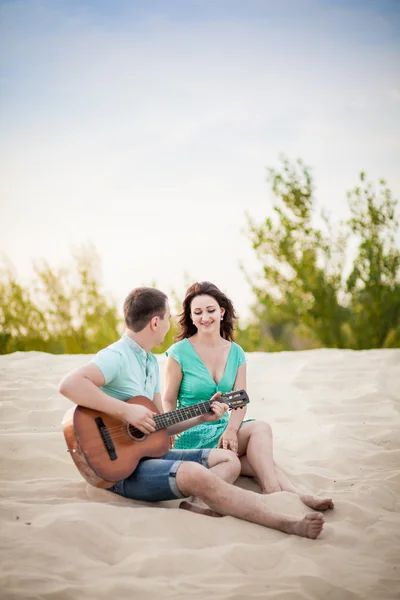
[140, 417]
[217, 409]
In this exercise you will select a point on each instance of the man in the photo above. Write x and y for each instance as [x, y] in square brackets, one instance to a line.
[127, 368]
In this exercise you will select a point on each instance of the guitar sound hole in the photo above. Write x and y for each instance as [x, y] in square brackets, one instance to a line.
[136, 434]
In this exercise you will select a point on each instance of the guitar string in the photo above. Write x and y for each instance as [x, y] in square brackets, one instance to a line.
[121, 429]
[124, 434]
[165, 417]
[120, 432]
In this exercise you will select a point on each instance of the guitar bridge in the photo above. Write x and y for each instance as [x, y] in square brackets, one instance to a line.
[105, 436]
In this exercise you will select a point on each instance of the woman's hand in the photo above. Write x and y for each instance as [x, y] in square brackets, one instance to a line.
[229, 441]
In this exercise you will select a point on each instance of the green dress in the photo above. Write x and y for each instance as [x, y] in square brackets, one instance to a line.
[197, 385]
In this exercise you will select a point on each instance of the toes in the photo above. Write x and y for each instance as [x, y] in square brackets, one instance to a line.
[318, 503]
[316, 525]
[324, 504]
[317, 516]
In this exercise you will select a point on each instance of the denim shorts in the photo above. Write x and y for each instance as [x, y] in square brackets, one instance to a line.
[154, 479]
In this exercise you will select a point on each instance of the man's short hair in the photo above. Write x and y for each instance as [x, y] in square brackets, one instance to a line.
[141, 305]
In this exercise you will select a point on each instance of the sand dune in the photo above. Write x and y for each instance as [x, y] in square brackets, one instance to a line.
[335, 416]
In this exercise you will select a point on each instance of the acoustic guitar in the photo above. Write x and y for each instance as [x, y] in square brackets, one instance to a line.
[106, 449]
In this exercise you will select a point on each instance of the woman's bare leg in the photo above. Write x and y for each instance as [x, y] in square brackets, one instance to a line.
[255, 441]
[286, 486]
[307, 499]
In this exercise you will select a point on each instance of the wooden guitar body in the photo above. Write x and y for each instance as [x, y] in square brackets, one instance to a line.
[88, 434]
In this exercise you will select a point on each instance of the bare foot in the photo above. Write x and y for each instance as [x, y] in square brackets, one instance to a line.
[200, 509]
[270, 489]
[317, 503]
[310, 527]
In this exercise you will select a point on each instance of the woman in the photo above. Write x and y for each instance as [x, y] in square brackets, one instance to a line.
[206, 360]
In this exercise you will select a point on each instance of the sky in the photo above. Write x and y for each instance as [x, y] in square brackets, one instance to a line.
[147, 127]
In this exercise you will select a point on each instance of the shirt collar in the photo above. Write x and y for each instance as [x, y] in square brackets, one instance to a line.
[134, 345]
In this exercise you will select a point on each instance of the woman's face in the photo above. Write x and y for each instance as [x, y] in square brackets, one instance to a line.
[206, 314]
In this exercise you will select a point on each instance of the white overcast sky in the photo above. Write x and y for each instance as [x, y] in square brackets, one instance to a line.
[146, 126]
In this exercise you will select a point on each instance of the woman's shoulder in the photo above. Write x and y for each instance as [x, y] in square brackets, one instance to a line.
[237, 347]
[239, 352]
[178, 349]
[178, 345]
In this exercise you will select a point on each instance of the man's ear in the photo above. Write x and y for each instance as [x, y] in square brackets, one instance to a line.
[154, 323]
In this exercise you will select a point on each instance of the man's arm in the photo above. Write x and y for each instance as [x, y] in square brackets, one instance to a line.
[82, 386]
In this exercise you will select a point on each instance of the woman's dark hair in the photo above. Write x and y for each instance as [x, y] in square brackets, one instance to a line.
[202, 288]
[142, 305]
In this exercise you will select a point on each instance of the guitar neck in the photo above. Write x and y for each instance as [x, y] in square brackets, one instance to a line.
[235, 399]
[181, 414]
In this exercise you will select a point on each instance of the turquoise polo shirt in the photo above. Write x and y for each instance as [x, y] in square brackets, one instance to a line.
[128, 370]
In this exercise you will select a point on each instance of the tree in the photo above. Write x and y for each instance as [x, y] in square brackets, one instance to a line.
[303, 283]
[374, 281]
[62, 311]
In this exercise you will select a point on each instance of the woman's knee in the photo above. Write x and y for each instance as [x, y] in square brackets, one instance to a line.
[262, 427]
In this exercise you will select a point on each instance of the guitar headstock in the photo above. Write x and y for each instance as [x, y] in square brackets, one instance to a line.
[236, 399]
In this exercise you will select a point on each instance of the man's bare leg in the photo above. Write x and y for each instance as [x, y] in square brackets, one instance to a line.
[286, 486]
[226, 466]
[227, 499]
[255, 441]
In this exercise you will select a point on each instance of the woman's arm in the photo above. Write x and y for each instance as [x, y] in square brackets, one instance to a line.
[237, 416]
[172, 381]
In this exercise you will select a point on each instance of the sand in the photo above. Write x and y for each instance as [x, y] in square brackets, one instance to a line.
[335, 417]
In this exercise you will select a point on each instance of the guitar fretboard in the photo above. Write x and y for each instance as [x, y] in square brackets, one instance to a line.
[181, 414]
[177, 416]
